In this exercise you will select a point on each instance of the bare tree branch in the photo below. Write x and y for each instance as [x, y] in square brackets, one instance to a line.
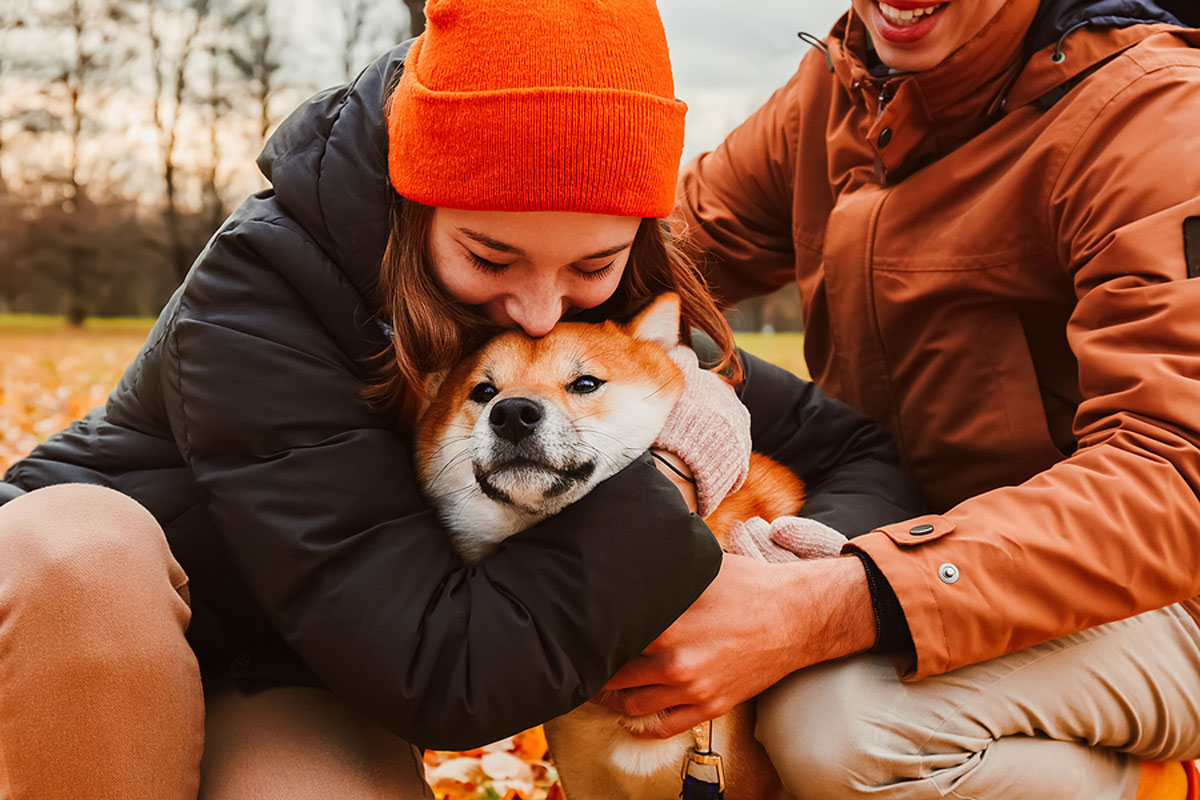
[416, 13]
[354, 14]
[191, 19]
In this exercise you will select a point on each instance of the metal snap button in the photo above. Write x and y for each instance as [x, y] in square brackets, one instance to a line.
[948, 573]
[885, 136]
[921, 530]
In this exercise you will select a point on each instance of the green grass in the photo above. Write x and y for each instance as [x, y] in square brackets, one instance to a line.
[784, 349]
[41, 324]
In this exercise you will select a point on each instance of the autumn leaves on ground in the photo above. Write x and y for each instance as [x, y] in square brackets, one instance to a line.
[51, 375]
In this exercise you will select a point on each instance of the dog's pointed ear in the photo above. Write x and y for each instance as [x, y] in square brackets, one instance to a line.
[658, 322]
[419, 403]
[434, 381]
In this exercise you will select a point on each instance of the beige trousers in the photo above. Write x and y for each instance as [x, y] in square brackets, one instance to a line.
[101, 696]
[1066, 720]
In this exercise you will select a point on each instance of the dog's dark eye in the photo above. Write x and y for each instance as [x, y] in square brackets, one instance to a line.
[584, 384]
[483, 392]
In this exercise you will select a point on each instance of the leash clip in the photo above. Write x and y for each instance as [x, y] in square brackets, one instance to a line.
[702, 755]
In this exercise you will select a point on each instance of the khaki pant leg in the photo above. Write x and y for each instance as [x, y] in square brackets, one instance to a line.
[1070, 718]
[100, 694]
[301, 743]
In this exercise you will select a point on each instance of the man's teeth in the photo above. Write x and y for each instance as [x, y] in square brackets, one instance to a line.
[909, 16]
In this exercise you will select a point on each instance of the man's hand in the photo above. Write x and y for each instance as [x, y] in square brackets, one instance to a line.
[753, 625]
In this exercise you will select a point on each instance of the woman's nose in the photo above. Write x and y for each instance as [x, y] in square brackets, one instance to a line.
[537, 316]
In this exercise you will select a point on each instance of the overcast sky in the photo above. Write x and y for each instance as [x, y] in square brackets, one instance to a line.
[729, 56]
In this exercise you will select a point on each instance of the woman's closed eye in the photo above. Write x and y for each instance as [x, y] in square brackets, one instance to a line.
[495, 267]
[484, 265]
[595, 274]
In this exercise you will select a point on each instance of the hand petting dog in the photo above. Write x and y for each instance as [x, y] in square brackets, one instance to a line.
[755, 623]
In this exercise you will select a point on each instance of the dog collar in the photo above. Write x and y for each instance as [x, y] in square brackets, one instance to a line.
[673, 468]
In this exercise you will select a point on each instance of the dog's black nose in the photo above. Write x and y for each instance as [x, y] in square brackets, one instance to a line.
[514, 418]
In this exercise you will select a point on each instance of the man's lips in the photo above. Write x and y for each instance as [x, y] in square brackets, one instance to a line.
[906, 5]
[906, 22]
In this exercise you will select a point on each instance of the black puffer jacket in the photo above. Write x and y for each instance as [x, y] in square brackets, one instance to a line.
[294, 509]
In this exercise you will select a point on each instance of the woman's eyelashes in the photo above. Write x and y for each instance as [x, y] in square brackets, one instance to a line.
[495, 267]
[595, 274]
[483, 265]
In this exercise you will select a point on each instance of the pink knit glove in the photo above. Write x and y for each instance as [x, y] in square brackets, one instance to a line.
[709, 429]
[784, 539]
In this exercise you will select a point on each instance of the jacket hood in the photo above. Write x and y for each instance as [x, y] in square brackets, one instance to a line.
[1056, 18]
[327, 164]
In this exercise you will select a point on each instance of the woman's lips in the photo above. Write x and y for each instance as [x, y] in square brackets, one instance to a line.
[903, 22]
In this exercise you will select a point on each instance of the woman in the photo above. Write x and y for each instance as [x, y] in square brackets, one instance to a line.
[536, 146]
[989, 213]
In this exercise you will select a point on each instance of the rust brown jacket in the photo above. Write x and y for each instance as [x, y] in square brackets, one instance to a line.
[991, 262]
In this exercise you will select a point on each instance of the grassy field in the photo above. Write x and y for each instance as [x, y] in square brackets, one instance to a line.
[784, 349]
[39, 324]
[51, 374]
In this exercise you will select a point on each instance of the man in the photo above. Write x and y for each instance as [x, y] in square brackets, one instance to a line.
[993, 217]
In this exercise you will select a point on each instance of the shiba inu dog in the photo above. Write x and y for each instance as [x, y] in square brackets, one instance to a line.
[525, 427]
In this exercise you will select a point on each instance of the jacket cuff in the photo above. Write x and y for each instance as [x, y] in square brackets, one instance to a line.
[913, 573]
[892, 635]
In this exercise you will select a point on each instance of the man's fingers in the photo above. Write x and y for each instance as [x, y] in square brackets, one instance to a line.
[643, 700]
[674, 721]
[642, 671]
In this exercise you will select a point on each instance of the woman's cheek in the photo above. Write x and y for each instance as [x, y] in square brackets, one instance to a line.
[462, 281]
[594, 292]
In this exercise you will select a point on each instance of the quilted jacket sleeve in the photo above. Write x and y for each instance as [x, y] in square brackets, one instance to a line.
[1111, 531]
[316, 499]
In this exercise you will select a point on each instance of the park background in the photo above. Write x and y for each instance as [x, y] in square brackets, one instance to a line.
[129, 128]
[128, 132]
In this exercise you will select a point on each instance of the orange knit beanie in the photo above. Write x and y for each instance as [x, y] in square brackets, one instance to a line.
[538, 105]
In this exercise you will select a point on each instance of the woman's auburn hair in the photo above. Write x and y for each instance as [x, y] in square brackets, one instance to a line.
[431, 331]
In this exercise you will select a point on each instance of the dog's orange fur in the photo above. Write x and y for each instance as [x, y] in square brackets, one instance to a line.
[770, 491]
[540, 368]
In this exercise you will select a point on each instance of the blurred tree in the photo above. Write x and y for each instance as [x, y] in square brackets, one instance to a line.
[12, 16]
[354, 14]
[14, 270]
[94, 51]
[255, 57]
[416, 15]
[169, 68]
[217, 105]
[119, 277]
